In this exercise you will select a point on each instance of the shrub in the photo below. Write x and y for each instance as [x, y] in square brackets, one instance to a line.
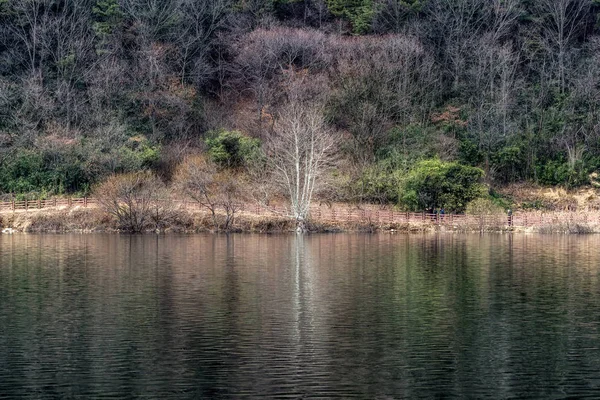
[50, 172]
[232, 149]
[557, 172]
[136, 200]
[137, 153]
[435, 184]
[376, 184]
[211, 188]
[24, 172]
[508, 163]
[483, 206]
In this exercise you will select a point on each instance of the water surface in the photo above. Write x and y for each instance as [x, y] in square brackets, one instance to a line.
[319, 316]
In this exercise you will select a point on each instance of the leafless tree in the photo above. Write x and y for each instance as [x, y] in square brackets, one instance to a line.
[30, 24]
[231, 196]
[136, 200]
[196, 35]
[263, 58]
[456, 25]
[383, 82]
[153, 19]
[493, 84]
[301, 151]
[195, 178]
[213, 189]
[561, 22]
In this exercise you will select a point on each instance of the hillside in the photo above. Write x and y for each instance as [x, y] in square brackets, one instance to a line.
[92, 88]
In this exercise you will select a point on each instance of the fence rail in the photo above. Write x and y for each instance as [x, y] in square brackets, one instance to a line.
[343, 213]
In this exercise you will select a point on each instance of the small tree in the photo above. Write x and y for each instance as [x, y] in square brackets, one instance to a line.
[201, 179]
[435, 183]
[137, 200]
[230, 195]
[300, 152]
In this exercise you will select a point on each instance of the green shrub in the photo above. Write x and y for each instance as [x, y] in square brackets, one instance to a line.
[46, 172]
[436, 184]
[378, 184]
[508, 163]
[137, 154]
[558, 172]
[69, 168]
[469, 153]
[232, 149]
[23, 172]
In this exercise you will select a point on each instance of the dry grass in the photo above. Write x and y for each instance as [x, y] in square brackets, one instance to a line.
[185, 221]
[180, 221]
[571, 228]
[532, 196]
[58, 221]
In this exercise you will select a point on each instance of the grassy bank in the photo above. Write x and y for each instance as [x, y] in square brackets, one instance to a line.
[89, 220]
[94, 220]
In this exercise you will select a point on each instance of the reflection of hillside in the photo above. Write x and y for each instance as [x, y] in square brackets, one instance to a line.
[367, 315]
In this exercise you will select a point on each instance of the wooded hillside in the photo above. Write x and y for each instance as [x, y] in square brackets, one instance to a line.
[89, 88]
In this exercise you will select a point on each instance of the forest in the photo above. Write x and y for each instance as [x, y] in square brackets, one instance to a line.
[486, 91]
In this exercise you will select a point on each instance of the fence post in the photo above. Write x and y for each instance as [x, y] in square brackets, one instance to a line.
[39, 203]
[54, 202]
[13, 204]
[85, 202]
[70, 201]
[26, 205]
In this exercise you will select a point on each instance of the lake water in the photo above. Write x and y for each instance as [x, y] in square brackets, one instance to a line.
[286, 316]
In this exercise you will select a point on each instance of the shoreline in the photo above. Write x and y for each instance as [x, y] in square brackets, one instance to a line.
[93, 220]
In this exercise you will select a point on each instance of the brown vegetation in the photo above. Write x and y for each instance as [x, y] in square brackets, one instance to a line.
[136, 200]
[212, 188]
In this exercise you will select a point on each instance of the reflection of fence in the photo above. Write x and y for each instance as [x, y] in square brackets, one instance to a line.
[341, 213]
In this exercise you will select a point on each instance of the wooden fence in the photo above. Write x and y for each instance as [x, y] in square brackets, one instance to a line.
[343, 213]
[56, 202]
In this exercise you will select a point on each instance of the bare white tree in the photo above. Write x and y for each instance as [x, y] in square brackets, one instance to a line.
[301, 150]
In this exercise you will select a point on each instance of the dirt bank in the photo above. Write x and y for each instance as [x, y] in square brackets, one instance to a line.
[88, 220]
[528, 196]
